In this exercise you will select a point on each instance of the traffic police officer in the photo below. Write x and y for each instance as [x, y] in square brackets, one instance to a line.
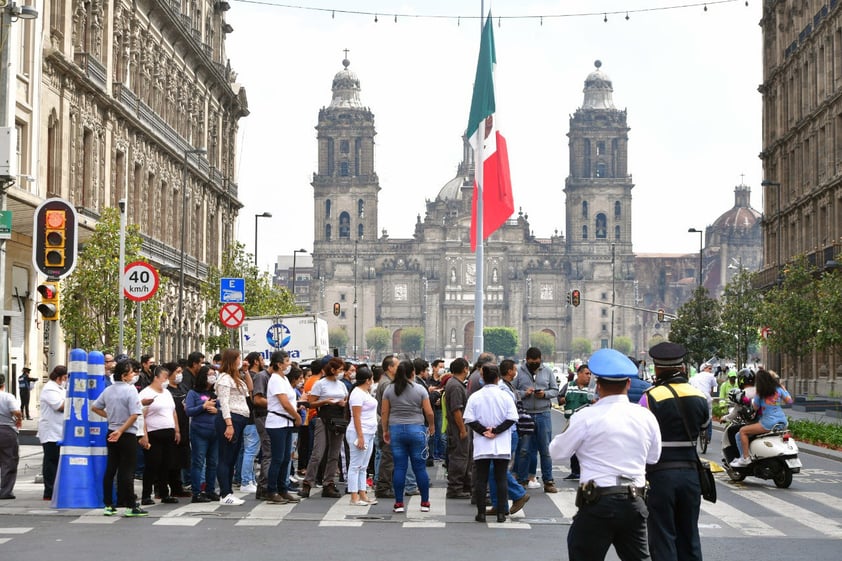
[614, 441]
[675, 495]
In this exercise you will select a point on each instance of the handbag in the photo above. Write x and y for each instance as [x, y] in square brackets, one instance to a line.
[706, 479]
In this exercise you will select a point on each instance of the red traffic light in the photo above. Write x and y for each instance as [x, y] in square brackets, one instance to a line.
[49, 306]
[47, 291]
[336, 308]
[575, 297]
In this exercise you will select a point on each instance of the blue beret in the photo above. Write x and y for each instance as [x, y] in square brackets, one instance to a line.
[668, 354]
[611, 365]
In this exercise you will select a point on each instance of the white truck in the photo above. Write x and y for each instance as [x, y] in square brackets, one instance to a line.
[303, 337]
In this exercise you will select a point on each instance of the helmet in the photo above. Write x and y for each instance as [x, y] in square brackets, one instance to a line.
[746, 376]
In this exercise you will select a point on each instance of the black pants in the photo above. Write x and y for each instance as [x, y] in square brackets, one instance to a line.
[49, 467]
[574, 465]
[674, 502]
[24, 402]
[303, 447]
[122, 456]
[160, 459]
[617, 520]
[501, 468]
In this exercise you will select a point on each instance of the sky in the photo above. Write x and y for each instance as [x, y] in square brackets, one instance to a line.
[687, 77]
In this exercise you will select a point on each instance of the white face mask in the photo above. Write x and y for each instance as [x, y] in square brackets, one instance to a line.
[340, 375]
[64, 384]
[135, 378]
[287, 370]
[211, 380]
[178, 378]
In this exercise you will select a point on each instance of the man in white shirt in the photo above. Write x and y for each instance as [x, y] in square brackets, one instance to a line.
[705, 382]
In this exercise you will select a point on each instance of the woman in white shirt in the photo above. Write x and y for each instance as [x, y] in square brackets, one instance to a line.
[360, 435]
[162, 430]
[51, 425]
[232, 389]
[281, 422]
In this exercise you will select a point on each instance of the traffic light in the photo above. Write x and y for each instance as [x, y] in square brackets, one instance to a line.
[336, 309]
[568, 298]
[49, 306]
[54, 245]
[575, 297]
[55, 237]
[661, 315]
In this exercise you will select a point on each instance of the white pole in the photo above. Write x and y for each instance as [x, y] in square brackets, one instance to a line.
[122, 266]
[479, 297]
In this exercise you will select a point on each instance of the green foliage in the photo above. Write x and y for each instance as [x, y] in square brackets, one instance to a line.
[829, 318]
[740, 316]
[412, 339]
[624, 345]
[378, 339]
[90, 299]
[543, 341]
[501, 341]
[829, 434]
[262, 299]
[698, 327]
[655, 340]
[581, 347]
[338, 339]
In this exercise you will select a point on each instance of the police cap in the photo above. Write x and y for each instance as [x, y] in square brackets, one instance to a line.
[668, 354]
[611, 365]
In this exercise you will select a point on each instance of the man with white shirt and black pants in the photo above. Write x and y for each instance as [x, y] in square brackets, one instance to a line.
[614, 441]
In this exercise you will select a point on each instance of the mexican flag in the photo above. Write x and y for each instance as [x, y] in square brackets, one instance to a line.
[492, 181]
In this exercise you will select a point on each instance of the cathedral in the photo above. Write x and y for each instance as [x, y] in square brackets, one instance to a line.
[428, 281]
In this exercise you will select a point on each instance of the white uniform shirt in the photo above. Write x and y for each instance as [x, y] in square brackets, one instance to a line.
[705, 382]
[51, 423]
[491, 405]
[613, 440]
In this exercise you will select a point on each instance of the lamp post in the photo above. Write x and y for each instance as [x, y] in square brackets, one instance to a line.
[179, 335]
[294, 255]
[701, 247]
[256, 217]
[699, 290]
[356, 244]
[778, 277]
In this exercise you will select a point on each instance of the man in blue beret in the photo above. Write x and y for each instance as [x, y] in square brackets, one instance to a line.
[614, 441]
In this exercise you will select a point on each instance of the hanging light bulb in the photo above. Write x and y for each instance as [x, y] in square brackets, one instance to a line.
[627, 16]
[459, 21]
[706, 7]
[542, 21]
[375, 18]
[499, 21]
[605, 18]
[333, 14]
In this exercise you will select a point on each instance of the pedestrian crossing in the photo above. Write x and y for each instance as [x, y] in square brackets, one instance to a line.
[8, 534]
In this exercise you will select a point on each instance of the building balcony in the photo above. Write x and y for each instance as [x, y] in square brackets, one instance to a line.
[93, 69]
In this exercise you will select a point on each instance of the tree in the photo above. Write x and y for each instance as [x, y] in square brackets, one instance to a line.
[698, 327]
[829, 291]
[791, 311]
[377, 339]
[623, 345]
[90, 296]
[412, 339]
[543, 341]
[581, 347]
[262, 299]
[337, 338]
[500, 341]
[740, 310]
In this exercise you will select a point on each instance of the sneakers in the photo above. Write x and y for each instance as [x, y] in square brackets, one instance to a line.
[571, 477]
[277, 499]
[549, 487]
[231, 500]
[200, 498]
[147, 501]
[135, 511]
[398, 508]
[212, 496]
[110, 511]
[740, 462]
[250, 487]
[359, 503]
[169, 500]
[533, 484]
[518, 504]
[425, 506]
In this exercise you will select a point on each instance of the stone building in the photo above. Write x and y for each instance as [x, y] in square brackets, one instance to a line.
[802, 156]
[115, 100]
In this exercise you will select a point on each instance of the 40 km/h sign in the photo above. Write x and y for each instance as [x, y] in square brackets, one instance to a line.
[140, 281]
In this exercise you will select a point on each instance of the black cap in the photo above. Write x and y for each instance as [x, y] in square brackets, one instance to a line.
[668, 354]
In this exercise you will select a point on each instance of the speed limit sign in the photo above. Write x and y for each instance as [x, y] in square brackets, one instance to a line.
[140, 281]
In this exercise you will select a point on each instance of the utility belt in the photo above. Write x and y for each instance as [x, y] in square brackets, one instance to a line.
[589, 493]
[660, 466]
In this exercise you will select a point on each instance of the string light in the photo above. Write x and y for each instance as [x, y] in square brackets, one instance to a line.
[458, 18]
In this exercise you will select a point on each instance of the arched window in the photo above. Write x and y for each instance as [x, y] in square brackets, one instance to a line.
[585, 232]
[618, 209]
[344, 146]
[343, 169]
[601, 231]
[345, 225]
[360, 230]
[585, 210]
[327, 208]
[360, 208]
[616, 232]
[600, 170]
[327, 232]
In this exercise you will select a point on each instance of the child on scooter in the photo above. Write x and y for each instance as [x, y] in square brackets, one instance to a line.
[770, 397]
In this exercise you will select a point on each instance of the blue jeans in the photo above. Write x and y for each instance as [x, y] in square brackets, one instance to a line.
[516, 490]
[437, 441]
[251, 446]
[204, 446]
[277, 481]
[537, 442]
[408, 445]
[358, 464]
[228, 451]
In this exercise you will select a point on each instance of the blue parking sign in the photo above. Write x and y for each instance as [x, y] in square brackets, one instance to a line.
[232, 290]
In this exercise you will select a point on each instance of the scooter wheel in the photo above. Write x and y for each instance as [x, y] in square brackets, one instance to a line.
[734, 475]
[783, 479]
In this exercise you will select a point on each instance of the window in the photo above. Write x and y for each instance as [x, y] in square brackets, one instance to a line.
[604, 312]
[600, 170]
[360, 209]
[360, 231]
[342, 297]
[600, 148]
[603, 343]
[327, 208]
[601, 226]
[342, 314]
[344, 146]
[585, 210]
[585, 232]
[616, 232]
[327, 232]
[344, 170]
[604, 327]
[617, 209]
[546, 291]
[345, 225]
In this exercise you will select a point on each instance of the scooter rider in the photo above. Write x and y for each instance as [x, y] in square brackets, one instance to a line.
[770, 396]
[741, 413]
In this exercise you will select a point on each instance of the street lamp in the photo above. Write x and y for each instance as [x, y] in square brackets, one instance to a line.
[179, 335]
[256, 216]
[294, 255]
[699, 295]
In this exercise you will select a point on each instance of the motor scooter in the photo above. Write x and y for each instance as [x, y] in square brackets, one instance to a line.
[774, 454]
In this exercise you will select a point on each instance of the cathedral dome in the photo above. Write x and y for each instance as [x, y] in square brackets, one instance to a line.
[598, 90]
[741, 218]
[452, 190]
[346, 88]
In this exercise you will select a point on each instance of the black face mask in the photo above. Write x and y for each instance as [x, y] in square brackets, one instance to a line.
[533, 366]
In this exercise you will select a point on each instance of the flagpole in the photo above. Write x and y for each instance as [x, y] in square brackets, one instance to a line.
[479, 297]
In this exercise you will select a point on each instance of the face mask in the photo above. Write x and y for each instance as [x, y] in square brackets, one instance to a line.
[179, 378]
[64, 385]
[135, 378]
[533, 366]
[287, 370]
[340, 375]
[211, 380]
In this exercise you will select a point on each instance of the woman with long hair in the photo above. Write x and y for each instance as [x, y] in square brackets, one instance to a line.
[164, 434]
[232, 391]
[405, 408]
[281, 422]
[200, 405]
[768, 401]
[360, 436]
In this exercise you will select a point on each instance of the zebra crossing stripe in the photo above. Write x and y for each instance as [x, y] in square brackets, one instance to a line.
[823, 498]
[266, 514]
[17, 531]
[172, 521]
[438, 509]
[4, 540]
[735, 518]
[338, 513]
[801, 515]
[564, 501]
